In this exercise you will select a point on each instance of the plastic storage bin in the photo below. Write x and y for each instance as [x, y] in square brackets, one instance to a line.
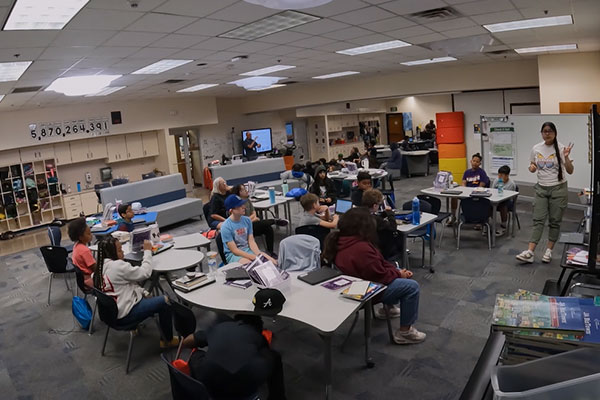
[457, 150]
[574, 375]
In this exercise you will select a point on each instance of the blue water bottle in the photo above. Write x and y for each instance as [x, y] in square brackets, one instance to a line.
[272, 195]
[79, 186]
[500, 187]
[416, 211]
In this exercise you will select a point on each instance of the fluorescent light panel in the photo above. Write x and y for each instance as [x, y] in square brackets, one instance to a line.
[36, 14]
[267, 26]
[270, 87]
[268, 70]
[429, 61]
[335, 75]
[392, 44]
[195, 88]
[1, 97]
[12, 71]
[161, 66]
[529, 23]
[106, 91]
[541, 49]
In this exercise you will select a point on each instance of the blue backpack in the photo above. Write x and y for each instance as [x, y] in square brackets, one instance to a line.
[82, 311]
[296, 193]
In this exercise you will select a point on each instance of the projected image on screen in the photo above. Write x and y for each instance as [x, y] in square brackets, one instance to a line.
[262, 137]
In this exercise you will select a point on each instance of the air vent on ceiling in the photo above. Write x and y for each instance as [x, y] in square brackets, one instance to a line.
[500, 52]
[288, 82]
[435, 14]
[27, 89]
[171, 81]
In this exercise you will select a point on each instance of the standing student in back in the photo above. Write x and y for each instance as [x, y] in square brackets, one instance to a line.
[473, 177]
[323, 187]
[80, 233]
[126, 220]
[310, 204]
[363, 182]
[505, 206]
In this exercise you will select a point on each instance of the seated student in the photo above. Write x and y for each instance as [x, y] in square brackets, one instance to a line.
[310, 204]
[80, 233]
[353, 251]
[297, 174]
[354, 155]
[126, 218]
[363, 182]
[505, 206]
[473, 177]
[218, 213]
[308, 169]
[323, 187]
[120, 280]
[389, 241]
[237, 361]
[237, 234]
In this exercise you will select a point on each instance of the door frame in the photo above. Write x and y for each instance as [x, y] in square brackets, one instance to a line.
[188, 160]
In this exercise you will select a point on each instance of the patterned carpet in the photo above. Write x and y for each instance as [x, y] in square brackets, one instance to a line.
[45, 355]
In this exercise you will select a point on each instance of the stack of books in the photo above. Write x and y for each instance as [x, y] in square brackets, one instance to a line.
[191, 281]
[578, 256]
[362, 290]
[537, 326]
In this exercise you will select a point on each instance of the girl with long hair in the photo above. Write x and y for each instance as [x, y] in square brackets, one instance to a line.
[323, 187]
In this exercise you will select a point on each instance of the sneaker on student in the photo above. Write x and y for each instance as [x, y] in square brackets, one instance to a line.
[547, 257]
[393, 310]
[172, 343]
[525, 256]
[410, 336]
[282, 222]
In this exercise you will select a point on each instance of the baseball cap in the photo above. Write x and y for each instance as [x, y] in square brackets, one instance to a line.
[233, 201]
[268, 301]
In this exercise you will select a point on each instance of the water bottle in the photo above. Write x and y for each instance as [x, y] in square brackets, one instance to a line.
[416, 212]
[272, 195]
[450, 181]
[285, 188]
[79, 186]
[212, 263]
[500, 187]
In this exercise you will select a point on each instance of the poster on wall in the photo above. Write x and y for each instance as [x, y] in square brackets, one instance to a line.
[47, 131]
[502, 145]
[407, 121]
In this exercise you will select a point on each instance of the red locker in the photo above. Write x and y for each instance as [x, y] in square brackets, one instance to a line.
[450, 127]
[450, 119]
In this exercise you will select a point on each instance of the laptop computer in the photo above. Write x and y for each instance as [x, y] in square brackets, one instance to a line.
[137, 256]
[451, 191]
[319, 275]
[341, 206]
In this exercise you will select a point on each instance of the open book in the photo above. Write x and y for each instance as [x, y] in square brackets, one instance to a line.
[264, 273]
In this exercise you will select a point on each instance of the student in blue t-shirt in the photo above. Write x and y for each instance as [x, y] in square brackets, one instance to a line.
[236, 232]
[126, 218]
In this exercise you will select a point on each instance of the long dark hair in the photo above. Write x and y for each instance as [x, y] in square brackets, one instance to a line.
[107, 249]
[356, 222]
[556, 149]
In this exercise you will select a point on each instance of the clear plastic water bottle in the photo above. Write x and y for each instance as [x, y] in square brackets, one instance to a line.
[212, 263]
[416, 211]
[284, 187]
[500, 187]
[450, 181]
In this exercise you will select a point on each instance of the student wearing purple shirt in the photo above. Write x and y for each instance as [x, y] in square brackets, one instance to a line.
[473, 177]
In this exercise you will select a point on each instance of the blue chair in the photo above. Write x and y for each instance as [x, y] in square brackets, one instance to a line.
[475, 211]
[58, 262]
[55, 236]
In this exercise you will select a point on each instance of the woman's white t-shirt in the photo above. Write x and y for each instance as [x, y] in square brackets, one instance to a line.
[544, 158]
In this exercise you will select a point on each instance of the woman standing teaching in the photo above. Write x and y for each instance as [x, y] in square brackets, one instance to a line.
[550, 160]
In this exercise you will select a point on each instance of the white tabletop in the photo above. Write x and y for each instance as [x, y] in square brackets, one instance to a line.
[415, 153]
[466, 192]
[374, 172]
[321, 308]
[190, 241]
[267, 203]
[426, 218]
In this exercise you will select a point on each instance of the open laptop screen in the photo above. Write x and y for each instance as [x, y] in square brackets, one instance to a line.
[341, 206]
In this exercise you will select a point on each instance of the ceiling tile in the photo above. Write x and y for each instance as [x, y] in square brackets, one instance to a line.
[191, 54]
[221, 56]
[25, 54]
[492, 18]
[456, 23]
[389, 24]
[427, 38]
[335, 8]
[409, 7]
[78, 37]
[483, 7]
[348, 33]
[218, 44]
[154, 52]
[283, 37]
[179, 41]
[251, 47]
[363, 16]
[143, 6]
[312, 42]
[51, 65]
[8, 39]
[106, 51]
[243, 12]
[209, 27]
[464, 32]
[321, 26]
[133, 39]
[154, 22]
[103, 19]
[279, 50]
[370, 39]
[66, 53]
[409, 32]
[196, 8]
[335, 46]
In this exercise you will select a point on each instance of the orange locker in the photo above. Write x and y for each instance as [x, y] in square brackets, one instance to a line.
[450, 135]
[452, 150]
[456, 166]
[450, 119]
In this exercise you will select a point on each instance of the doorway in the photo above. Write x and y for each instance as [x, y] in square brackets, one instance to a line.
[395, 128]
[184, 161]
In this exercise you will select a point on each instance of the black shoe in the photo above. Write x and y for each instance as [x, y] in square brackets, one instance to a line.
[282, 222]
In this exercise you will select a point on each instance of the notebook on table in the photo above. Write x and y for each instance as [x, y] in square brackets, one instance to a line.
[451, 191]
[319, 275]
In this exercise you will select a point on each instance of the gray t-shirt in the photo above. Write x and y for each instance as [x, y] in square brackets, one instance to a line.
[510, 185]
[309, 219]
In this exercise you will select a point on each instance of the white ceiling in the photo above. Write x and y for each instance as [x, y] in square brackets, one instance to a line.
[110, 37]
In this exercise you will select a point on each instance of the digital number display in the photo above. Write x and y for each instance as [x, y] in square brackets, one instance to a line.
[45, 131]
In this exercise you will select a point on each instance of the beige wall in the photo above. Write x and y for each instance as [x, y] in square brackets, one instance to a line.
[423, 108]
[356, 107]
[568, 77]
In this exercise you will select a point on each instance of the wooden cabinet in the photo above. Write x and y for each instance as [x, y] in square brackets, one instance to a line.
[72, 206]
[334, 123]
[89, 203]
[135, 147]
[79, 151]
[37, 153]
[150, 143]
[97, 148]
[10, 157]
[62, 153]
[117, 148]
[349, 121]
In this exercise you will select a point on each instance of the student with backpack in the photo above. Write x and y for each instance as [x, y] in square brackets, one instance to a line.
[81, 234]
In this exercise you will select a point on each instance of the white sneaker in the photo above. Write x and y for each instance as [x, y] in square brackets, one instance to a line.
[393, 310]
[547, 257]
[410, 336]
[526, 256]
[500, 232]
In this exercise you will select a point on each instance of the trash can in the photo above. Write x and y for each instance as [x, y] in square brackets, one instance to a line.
[573, 375]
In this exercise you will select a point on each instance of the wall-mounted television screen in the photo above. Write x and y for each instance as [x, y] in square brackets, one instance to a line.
[262, 137]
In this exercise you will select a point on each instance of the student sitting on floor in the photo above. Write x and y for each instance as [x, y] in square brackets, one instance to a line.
[363, 182]
[473, 177]
[218, 213]
[505, 206]
[323, 187]
[310, 204]
[297, 174]
[353, 251]
[237, 361]
[237, 234]
[389, 240]
[126, 220]
[80, 233]
[119, 279]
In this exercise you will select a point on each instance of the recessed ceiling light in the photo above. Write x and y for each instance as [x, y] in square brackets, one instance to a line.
[288, 4]
[429, 61]
[540, 49]
[270, 87]
[335, 75]
[267, 26]
[198, 87]
[268, 70]
[161, 66]
[256, 82]
[36, 14]
[81, 85]
[12, 71]
[106, 91]
[392, 44]
[529, 23]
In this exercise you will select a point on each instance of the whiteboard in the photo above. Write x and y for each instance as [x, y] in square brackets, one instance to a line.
[571, 128]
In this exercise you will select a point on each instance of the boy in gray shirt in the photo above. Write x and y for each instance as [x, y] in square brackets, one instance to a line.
[505, 206]
[310, 204]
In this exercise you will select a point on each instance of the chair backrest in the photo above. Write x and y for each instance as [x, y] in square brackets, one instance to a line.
[183, 319]
[299, 253]
[424, 206]
[184, 387]
[55, 258]
[149, 175]
[436, 204]
[221, 247]
[107, 308]
[80, 281]
[206, 211]
[475, 210]
[55, 235]
[316, 231]
[119, 181]
[98, 187]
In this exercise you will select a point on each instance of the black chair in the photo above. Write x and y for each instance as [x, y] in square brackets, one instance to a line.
[149, 175]
[316, 231]
[86, 291]
[108, 312]
[98, 187]
[475, 211]
[221, 248]
[119, 181]
[184, 321]
[436, 206]
[55, 236]
[421, 233]
[183, 386]
[58, 262]
[206, 211]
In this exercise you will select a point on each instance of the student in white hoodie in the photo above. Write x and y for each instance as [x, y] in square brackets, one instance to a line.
[119, 279]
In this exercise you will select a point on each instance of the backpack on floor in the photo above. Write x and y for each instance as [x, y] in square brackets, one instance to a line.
[82, 311]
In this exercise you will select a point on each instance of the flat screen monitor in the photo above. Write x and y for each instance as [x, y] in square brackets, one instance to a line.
[263, 138]
[105, 174]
